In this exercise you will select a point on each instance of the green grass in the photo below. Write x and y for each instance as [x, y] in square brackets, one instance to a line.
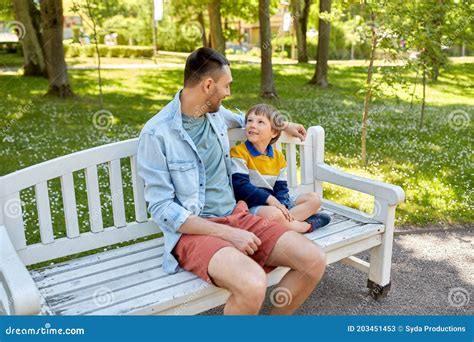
[433, 166]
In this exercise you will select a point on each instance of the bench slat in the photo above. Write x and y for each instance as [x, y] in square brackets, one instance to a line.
[306, 162]
[69, 203]
[13, 220]
[116, 190]
[97, 269]
[104, 277]
[291, 165]
[127, 281]
[87, 241]
[87, 261]
[141, 214]
[93, 199]
[44, 213]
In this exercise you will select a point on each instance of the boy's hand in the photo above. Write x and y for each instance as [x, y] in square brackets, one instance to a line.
[276, 203]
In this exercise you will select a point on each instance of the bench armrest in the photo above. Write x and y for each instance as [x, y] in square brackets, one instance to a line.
[22, 294]
[393, 194]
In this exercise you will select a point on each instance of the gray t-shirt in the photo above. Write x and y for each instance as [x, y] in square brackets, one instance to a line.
[219, 196]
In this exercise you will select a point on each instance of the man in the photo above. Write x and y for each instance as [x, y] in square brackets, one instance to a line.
[183, 156]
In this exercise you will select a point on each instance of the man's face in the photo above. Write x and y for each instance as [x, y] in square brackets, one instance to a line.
[219, 89]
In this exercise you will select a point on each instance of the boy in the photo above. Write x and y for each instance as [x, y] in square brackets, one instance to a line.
[259, 176]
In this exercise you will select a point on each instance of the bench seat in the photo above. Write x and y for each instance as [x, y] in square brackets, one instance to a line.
[130, 280]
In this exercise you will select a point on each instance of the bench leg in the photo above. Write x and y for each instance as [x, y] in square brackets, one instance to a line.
[381, 256]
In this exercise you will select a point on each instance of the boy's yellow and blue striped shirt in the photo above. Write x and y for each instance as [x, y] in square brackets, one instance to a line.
[255, 176]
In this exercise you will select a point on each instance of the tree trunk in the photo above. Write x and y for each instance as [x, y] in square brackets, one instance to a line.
[368, 92]
[422, 116]
[267, 87]
[52, 19]
[217, 37]
[200, 19]
[320, 77]
[300, 23]
[28, 15]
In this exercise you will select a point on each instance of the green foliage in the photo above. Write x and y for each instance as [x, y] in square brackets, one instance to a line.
[77, 50]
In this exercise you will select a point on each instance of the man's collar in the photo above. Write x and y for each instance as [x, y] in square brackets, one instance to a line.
[255, 153]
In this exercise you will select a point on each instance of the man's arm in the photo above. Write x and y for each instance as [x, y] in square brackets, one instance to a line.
[159, 189]
[238, 120]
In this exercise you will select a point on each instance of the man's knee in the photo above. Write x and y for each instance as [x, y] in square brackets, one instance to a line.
[239, 274]
[251, 286]
[313, 261]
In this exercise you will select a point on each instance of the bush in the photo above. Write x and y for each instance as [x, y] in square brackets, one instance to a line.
[76, 50]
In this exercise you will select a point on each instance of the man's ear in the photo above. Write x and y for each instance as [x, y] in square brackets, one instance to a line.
[207, 85]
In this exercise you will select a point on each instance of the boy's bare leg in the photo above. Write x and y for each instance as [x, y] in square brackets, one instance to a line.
[244, 278]
[307, 262]
[306, 205]
[274, 214]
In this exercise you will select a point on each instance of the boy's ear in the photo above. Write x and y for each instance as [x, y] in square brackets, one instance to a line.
[274, 133]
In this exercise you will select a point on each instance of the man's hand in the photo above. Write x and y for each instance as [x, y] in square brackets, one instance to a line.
[273, 201]
[296, 130]
[245, 241]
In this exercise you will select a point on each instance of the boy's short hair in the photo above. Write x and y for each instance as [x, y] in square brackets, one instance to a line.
[203, 62]
[277, 120]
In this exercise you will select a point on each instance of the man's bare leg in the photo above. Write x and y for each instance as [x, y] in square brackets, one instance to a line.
[244, 278]
[307, 262]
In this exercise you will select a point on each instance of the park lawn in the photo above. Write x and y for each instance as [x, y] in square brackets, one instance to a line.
[432, 165]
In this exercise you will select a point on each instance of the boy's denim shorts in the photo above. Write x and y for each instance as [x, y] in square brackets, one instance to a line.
[291, 204]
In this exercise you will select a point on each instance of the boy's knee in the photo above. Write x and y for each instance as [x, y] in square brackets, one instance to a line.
[314, 199]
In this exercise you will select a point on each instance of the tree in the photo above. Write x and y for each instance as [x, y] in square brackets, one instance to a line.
[215, 22]
[52, 20]
[320, 77]
[28, 15]
[300, 23]
[267, 87]
[92, 13]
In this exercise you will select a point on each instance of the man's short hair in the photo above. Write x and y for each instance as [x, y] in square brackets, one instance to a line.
[277, 120]
[203, 62]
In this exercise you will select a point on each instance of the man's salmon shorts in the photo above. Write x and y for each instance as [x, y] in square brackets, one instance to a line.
[194, 252]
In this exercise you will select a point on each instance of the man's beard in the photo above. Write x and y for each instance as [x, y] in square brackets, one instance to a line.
[213, 106]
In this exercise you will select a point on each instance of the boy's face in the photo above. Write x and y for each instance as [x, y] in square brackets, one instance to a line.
[259, 129]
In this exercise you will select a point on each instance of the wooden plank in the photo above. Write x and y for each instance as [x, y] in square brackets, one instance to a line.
[347, 212]
[89, 260]
[69, 203]
[99, 268]
[291, 165]
[156, 301]
[125, 294]
[116, 191]
[357, 263]
[104, 277]
[93, 199]
[348, 249]
[44, 213]
[307, 166]
[13, 220]
[113, 285]
[138, 184]
[70, 163]
[194, 306]
[85, 242]
[316, 136]
[392, 193]
[342, 238]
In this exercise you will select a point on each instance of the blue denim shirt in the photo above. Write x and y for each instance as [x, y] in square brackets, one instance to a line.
[168, 161]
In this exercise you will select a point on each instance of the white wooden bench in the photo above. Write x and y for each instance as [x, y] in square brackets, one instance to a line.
[130, 279]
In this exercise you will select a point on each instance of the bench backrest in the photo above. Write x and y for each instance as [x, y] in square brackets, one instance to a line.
[66, 232]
